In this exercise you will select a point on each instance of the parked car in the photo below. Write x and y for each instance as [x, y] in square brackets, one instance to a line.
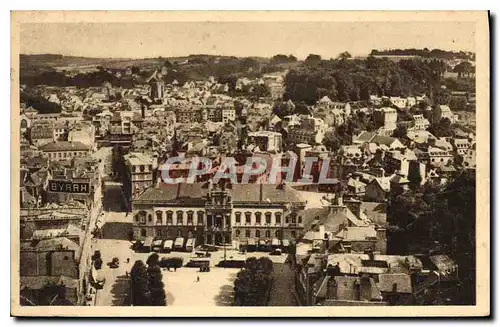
[115, 263]
[231, 264]
[205, 248]
[175, 262]
[275, 252]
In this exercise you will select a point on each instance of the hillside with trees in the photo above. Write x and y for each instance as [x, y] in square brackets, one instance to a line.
[346, 79]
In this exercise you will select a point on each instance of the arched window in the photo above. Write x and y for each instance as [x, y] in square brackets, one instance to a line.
[170, 215]
[237, 216]
[143, 232]
[300, 219]
[190, 217]
[142, 217]
[293, 233]
[248, 217]
[268, 233]
[150, 218]
[257, 233]
[247, 233]
[179, 217]
[190, 234]
[277, 216]
[237, 233]
[268, 218]
[159, 217]
[200, 217]
[258, 216]
[277, 233]
[142, 168]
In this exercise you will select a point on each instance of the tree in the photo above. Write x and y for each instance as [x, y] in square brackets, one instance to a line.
[156, 286]
[441, 129]
[312, 59]
[155, 282]
[136, 70]
[344, 55]
[140, 292]
[331, 141]
[400, 131]
[414, 178]
[253, 282]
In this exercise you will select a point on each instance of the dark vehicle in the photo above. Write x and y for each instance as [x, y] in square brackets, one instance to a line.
[115, 263]
[137, 246]
[231, 264]
[200, 254]
[275, 252]
[198, 262]
[175, 262]
[209, 248]
[251, 246]
[264, 246]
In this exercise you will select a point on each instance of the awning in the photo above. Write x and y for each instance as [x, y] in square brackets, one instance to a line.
[286, 243]
[190, 242]
[179, 241]
[148, 241]
[251, 241]
[168, 244]
[275, 242]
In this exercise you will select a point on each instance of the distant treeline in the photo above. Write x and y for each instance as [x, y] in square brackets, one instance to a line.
[357, 79]
[83, 80]
[426, 53]
[195, 67]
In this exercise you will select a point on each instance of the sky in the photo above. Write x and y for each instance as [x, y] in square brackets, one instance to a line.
[242, 39]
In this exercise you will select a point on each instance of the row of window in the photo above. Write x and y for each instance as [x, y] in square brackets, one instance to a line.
[142, 168]
[141, 217]
[65, 154]
[267, 215]
[267, 233]
[179, 217]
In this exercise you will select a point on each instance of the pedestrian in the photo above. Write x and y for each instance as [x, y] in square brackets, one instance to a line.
[175, 269]
[126, 273]
[198, 278]
[128, 260]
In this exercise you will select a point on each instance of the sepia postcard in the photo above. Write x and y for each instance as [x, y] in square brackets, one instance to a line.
[244, 164]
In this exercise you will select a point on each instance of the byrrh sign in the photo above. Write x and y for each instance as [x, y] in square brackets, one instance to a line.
[68, 187]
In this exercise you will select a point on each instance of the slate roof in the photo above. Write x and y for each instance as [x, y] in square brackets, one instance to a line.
[242, 193]
[402, 281]
[64, 146]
